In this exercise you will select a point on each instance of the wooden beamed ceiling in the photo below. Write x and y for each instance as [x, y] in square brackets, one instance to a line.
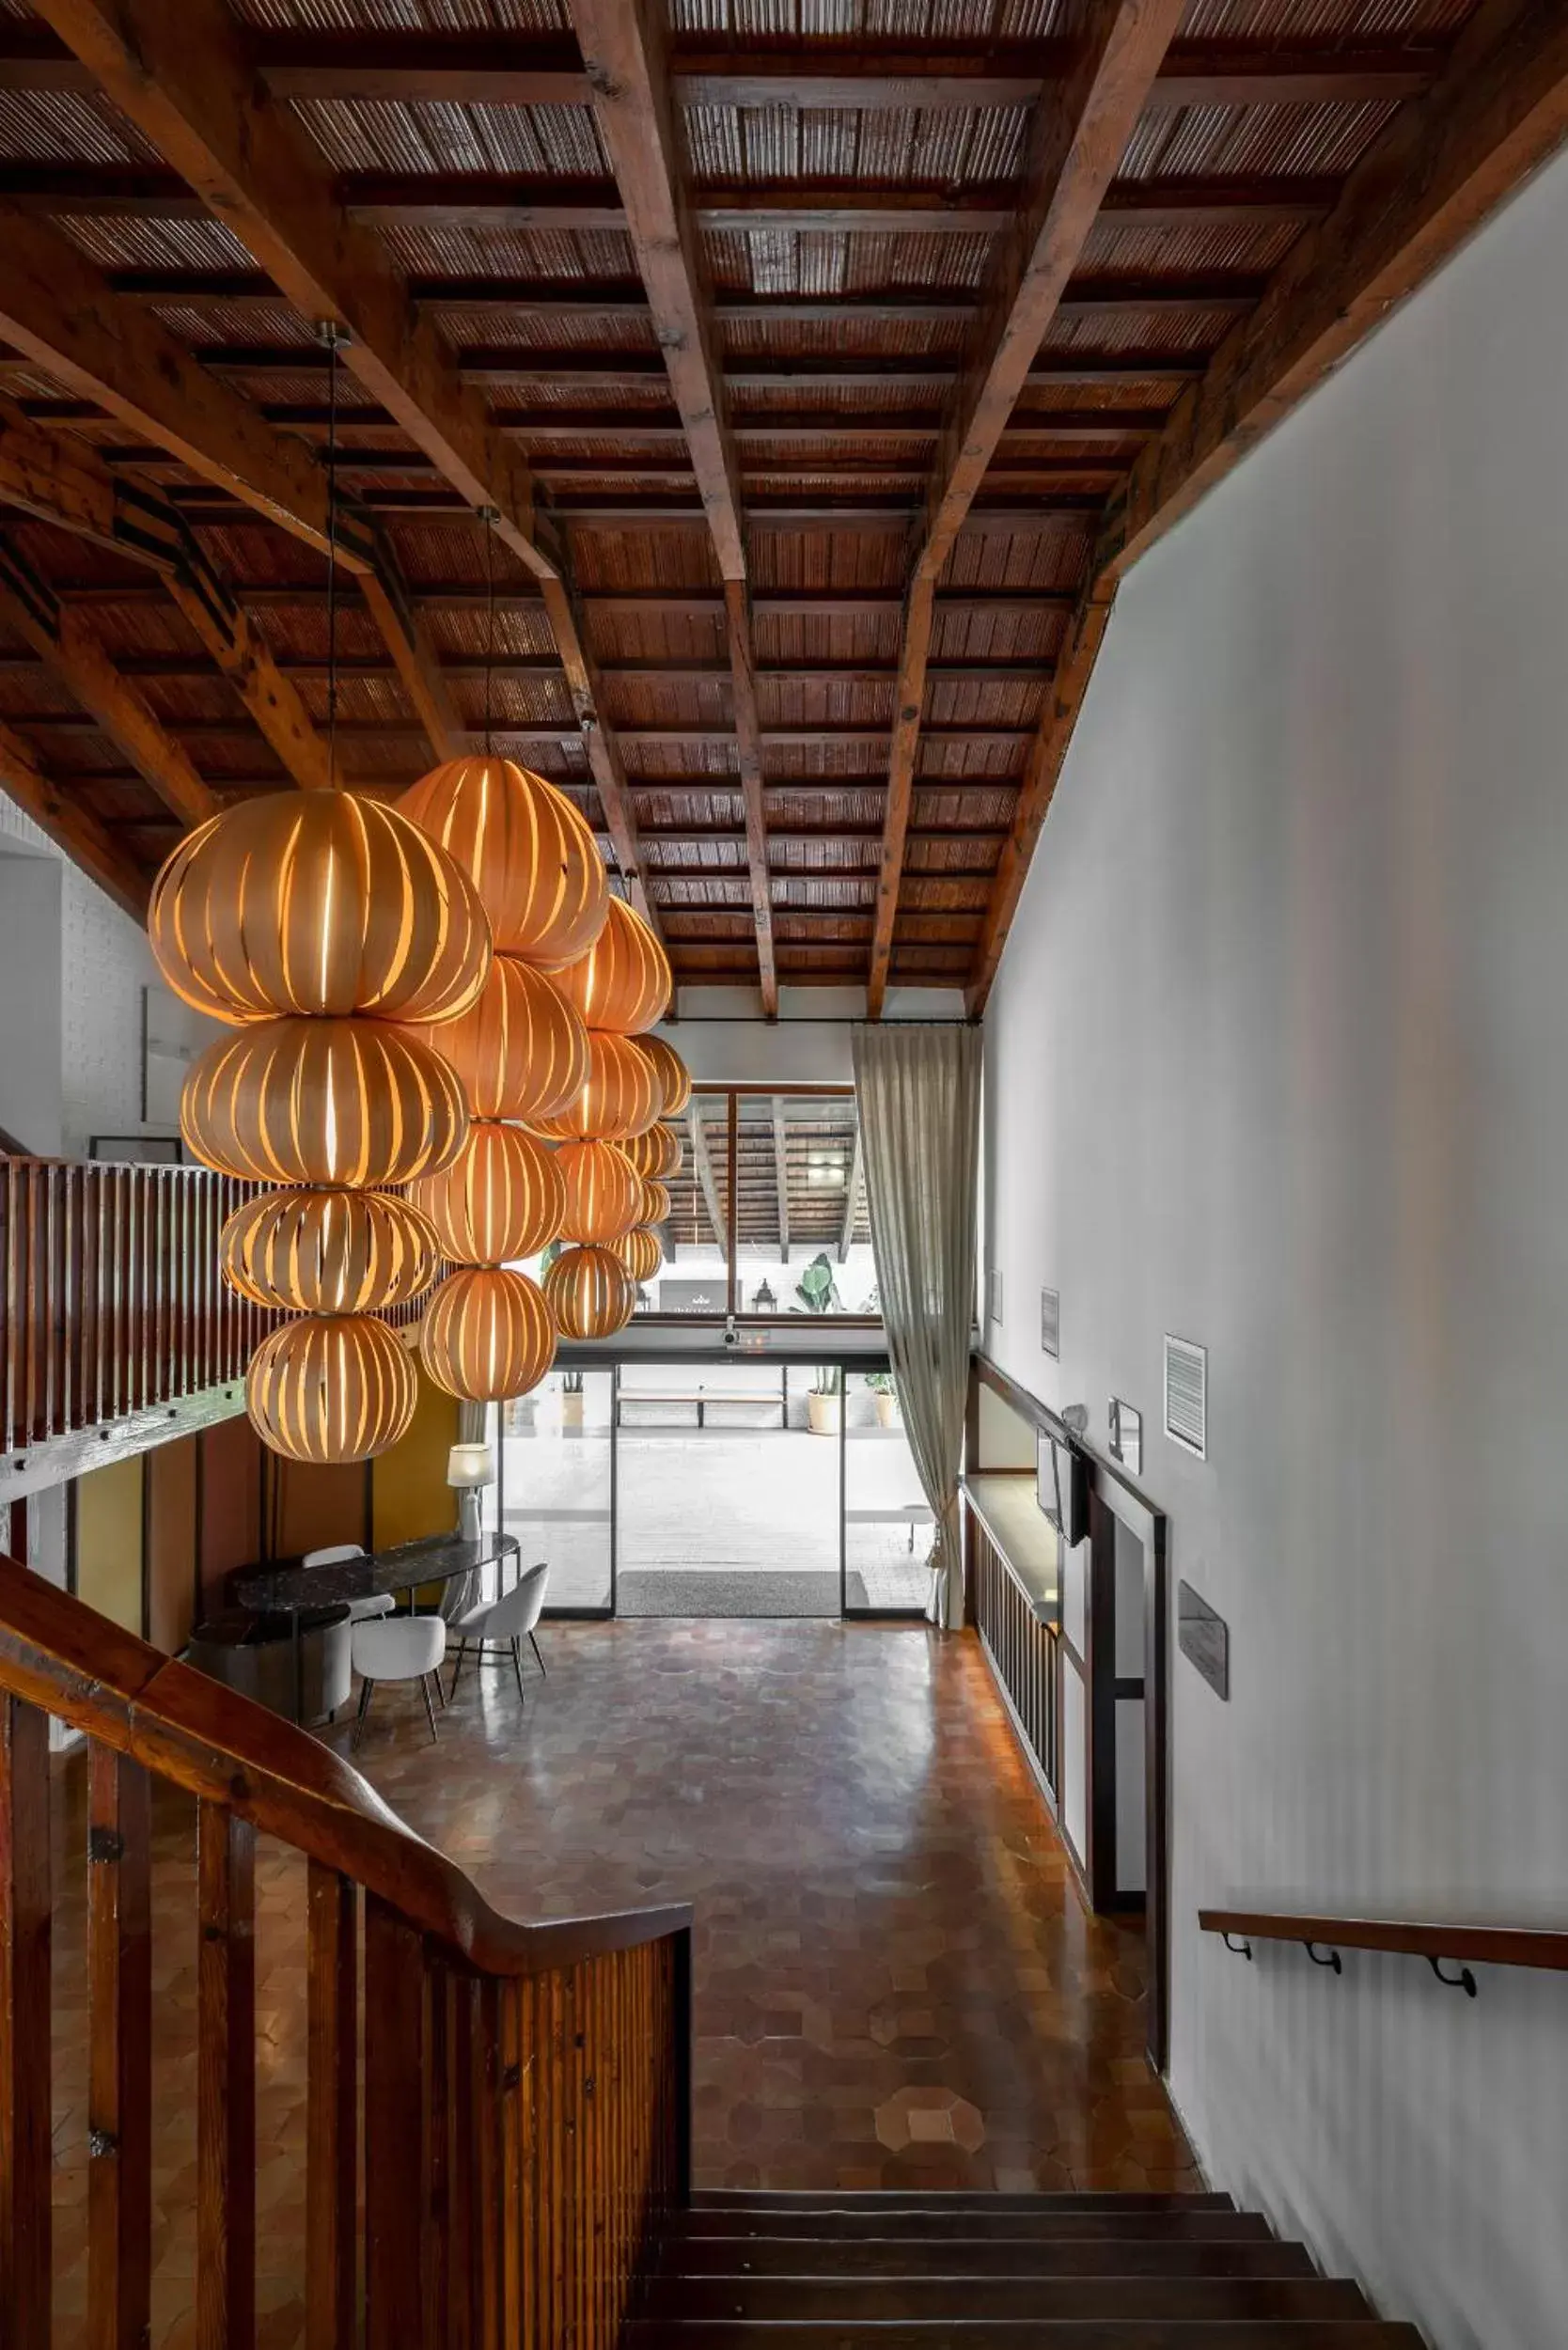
[812, 393]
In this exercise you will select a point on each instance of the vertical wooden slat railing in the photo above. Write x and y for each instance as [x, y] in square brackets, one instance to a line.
[521, 2093]
[112, 1298]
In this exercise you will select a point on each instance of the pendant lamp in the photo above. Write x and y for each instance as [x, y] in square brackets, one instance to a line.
[603, 1192]
[521, 1049]
[331, 1387]
[639, 1251]
[655, 1154]
[329, 1252]
[589, 1292]
[341, 1102]
[655, 1203]
[672, 1074]
[528, 852]
[487, 1334]
[623, 983]
[619, 1097]
[502, 1197]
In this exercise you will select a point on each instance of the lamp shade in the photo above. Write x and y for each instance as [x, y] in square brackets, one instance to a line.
[502, 1197]
[522, 1050]
[319, 904]
[639, 1251]
[603, 1192]
[671, 1071]
[487, 1334]
[655, 1201]
[623, 983]
[469, 1467]
[528, 851]
[322, 1102]
[331, 1387]
[619, 1098]
[655, 1154]
[589, 1292]
[329, 1252]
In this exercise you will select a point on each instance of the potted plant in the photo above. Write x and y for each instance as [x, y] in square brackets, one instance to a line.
[571, 1399]
[881, 1385]
[825, 1398]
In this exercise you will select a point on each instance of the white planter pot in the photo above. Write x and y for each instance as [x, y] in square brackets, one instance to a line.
[821, 1413]
[886, 1408]
[572, 1411]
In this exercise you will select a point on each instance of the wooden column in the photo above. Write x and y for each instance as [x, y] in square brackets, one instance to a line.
[120, 2084]
[25, 2152]
[332, 2111]
[225, 2081]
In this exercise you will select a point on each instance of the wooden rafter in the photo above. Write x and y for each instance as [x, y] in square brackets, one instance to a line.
[703, 1163]
[624, 50]
[73, 654]
[1079, 134]
[69, 484]
[781, 1174]
[179, 69]
[70, 826]
[1445, 163]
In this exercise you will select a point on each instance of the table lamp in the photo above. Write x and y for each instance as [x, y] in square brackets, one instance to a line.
[469, 1469]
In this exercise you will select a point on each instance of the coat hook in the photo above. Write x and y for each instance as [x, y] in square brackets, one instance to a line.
[1332, 1960]
[1243, 1949]
[1463, 1981]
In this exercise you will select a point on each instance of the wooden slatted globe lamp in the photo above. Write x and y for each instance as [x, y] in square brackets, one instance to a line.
[655, 1154]
[502, 1197]
[640, 1252]
[623, 983]
[619, 1099]
[329, 1252]
[671, 1071]
[528, 852]
[487, 1334]
[331, 1387]
[589, 1292]
[603, 1192]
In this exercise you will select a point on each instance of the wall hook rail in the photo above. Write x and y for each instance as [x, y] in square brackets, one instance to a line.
[1243, 1949]
[1323, 1958]
[1463, 1981]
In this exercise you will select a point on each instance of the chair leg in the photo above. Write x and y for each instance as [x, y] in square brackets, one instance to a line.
[517, 1668]
[435, 1676]
[364, 1689]
[429, 1710]
[534, 1645]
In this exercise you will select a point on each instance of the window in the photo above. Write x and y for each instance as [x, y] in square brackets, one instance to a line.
[768, 1214]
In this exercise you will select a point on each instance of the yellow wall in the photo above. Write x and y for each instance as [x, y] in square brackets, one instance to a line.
[109, 1540]
[171, 1543]
[410, 1495]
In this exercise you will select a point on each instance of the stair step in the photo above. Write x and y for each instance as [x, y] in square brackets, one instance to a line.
[721, 2256]
[841, 2300]
[973, 2223]
[968, 2234]
[1351, 2333]
[934, 2198]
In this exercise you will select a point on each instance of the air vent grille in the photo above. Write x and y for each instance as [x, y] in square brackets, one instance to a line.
[993, 1295]
[1050, 1323]
[1186, 1395]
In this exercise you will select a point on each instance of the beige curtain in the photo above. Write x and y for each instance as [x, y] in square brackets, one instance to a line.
[918, 1090]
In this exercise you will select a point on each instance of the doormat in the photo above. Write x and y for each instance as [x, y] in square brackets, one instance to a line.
[717, 1592]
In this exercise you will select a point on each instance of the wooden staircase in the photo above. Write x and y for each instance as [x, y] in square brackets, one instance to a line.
[755, 2271]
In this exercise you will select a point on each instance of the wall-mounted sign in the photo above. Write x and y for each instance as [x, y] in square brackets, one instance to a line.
[1204, 1639]
[1126, 1434]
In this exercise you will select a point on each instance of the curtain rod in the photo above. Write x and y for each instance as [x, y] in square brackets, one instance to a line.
[804, 1020]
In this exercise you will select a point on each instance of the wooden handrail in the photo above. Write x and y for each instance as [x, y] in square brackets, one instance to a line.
[497, 2115]
[1410, 1937]
[61, 1656]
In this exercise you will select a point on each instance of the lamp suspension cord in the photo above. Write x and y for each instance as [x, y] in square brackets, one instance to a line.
[488, 513]
[329, 335]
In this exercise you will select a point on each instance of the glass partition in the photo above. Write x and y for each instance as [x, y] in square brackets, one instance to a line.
[555, 1487]
[887, 1526]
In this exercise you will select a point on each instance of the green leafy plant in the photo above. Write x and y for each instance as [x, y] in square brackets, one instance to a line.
[571, 1383]
[818, 1295]
[880, 1382]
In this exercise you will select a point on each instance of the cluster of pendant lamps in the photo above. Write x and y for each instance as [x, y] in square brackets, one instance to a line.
[440, 1056]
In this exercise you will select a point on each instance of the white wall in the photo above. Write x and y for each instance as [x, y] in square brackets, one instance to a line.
[1278, 1060]
[31, 1066]
[90, 994]
[721, 1035]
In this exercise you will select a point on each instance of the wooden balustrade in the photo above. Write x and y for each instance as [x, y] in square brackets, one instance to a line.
[520, 2092]
[1020, 1646]
[110, 1292]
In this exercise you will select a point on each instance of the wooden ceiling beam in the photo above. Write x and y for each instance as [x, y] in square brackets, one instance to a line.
[537, 70]
[500, 367]
[72, 825]
[56, 309]
[1078, 135]
[179, 69]
[69, 484]
[74, 657]
[704, 1166]
[625, 48]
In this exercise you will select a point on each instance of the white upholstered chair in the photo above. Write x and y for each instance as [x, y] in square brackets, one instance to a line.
[334, 1556]
[398, 1648]
[510, 1618]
